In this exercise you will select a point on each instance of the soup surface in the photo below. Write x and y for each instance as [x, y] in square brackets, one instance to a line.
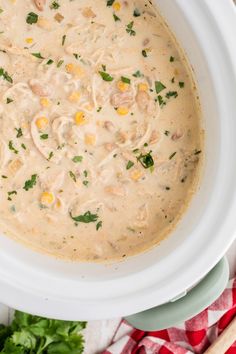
[100, 135]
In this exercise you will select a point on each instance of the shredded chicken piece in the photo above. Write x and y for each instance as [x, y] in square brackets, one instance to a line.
[177, 135]
[108, 125]
[118, 191]
[122, 99]
[145, 103]
[38, 89]
[88, 12]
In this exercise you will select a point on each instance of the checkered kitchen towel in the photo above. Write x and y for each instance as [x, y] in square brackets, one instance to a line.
[193, 336]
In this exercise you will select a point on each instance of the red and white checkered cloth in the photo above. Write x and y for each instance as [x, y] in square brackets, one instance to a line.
[193, 336]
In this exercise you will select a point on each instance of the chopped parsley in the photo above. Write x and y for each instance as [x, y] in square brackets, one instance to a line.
[37, 55]
[172, 59]
[159, 86]
[72, 176]
[54, 5]
[19, 132]
[3, 176]
[110, 2]
[181, 84]
[116, 18]
[130, 30]
[77, 159]
[60, 63]
[49, 62]
[44, 136]
[197, 152]
[23, 146]
[85, 218]
[32, 18]
[172, 155]
[172, 94]
[9, 100]
[99, 225]
[10, 194]
[105, 76]
[167, 133]
[63, 40]
[136, 13]
[161, 101]
[50, 156]
[4, 74]
[146, 160]
[85, 183]
[11, 147]
[125, 79]
[138, 74]
[129, 165]
[99, 109]
[30, 183]
[144, 53]
[85, 173]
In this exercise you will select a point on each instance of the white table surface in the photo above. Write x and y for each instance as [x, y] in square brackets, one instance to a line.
[98, 334]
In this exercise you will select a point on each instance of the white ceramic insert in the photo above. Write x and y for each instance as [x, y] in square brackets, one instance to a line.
[38, 284]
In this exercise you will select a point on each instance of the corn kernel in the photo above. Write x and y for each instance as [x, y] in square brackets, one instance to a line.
[122, 86]
[90, 139]
[44, 23]
[122, 111]
[136, 175]
[44, 102]
[116, 6]
[70, 68]
[142, 86]
[42, 123]
[47, 198]
[80, 118]
[89, 107]
[78, 70]
[74, 69]
[58, 203]
[74, 96]
[29, 40]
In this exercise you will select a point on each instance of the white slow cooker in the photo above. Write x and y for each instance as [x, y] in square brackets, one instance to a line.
[34, 283]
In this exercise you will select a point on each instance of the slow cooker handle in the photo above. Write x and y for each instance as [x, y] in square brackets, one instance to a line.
[182, 309]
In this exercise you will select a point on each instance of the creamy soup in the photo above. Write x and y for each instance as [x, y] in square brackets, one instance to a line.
[100, 135]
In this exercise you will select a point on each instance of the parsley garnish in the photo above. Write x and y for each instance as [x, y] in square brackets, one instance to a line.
[11, 147]
[9, 100]
[37, 55]
[125, 79]
[44, 136]
[167, 133]
[85, 173]
[105, 76]
[32, 18]
[4, 74]
[99, 225]
[181, 84]
[19, 132]
[136, 13]
[63, 39]
[54, 5]
[23, 146]
[50, 156]
[129, 29]
[110, 2]
[138, 74]
[161, 101]
[60, 63]
[11, 193]
[72, 176]
[85, 183]
[197, 152]
[116, 18]
[85, 218]
[172, 94]
[49, 62]
[77, 159]
[144, 53]
[172, 59]
[146, 160]
[30, 183]
[172, 155]
[159, 86]
[129, 165]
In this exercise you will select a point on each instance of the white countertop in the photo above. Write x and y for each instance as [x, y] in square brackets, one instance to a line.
[98, 334]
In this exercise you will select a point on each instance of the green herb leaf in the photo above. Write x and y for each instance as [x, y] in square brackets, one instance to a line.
[129, 165]
[181, 84]
[19, 132]
[72, 176]
[60, 63]
[172, 59]
[4, 74]
[44, 136]
[11, 147]
[110, 2]
[167, 133]
[125, 79]
[161, 101]
[144, 53]
[23, 146]
[146, 160]
[77, 159]
[50, 155]
[49, 62]
[159, 86]
[85, 218]
[105, 76]
[136, 13]
[37, 55]
[116, 18]
[172, 155]
[138, 74]
[172, 94]
[99, 225]
[9, 100]
[10, 194]
[54, 5]
[85, 183]
[63, 40]
[129, 29]
[31, 182]
[32, 18]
